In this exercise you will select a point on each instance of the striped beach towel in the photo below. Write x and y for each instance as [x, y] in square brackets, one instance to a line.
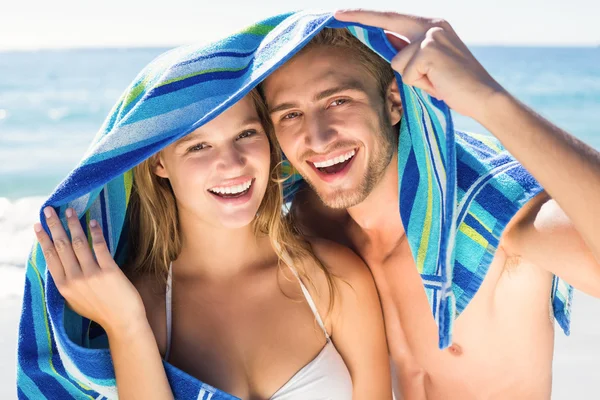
[458, 191]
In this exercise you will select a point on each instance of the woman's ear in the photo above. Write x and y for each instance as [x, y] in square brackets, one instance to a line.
[393, 102]
[159, 166]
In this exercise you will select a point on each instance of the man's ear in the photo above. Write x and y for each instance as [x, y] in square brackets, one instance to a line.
[393, 102]
[159, 166]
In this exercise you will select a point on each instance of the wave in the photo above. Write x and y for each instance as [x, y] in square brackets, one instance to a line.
[16, 229]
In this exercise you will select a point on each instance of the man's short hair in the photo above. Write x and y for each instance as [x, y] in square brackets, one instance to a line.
[376, 66]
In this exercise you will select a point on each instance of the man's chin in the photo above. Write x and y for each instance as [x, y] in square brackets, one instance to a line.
[342, 198]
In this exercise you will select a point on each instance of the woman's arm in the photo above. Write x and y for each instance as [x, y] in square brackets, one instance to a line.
[138, 364]
[357, 325]
[96, 288]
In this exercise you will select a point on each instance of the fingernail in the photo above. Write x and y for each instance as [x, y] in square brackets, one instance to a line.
[37, 227]
[48, 212]
[93, 223]
[69, 212]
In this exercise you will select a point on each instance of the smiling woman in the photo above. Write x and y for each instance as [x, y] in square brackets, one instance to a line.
[196, 282]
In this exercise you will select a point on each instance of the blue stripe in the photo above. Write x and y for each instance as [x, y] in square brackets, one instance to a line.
[476, 143]
[232, 54]
[435, 278]
[491, 199]
[196, 80]
[487, 235]
[409, 188]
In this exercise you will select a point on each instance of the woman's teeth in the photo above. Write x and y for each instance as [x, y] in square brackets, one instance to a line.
[335, 160]
[237, 189]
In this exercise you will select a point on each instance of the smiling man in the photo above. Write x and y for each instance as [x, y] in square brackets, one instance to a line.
[336, 108]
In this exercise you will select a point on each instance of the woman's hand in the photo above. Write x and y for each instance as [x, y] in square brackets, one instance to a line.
[94, 287]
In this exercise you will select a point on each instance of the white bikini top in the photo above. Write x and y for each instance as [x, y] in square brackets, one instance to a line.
[326, 377]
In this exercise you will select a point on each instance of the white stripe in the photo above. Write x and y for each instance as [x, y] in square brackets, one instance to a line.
[463, 203]
[205, 390]
[108, 391]
[464, 142]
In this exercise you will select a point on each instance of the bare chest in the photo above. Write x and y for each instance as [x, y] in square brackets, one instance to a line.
[507, 319]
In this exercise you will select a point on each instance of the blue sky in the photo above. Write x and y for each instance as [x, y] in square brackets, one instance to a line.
[109, 23]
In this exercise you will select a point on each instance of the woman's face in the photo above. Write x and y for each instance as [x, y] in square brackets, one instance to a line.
[220, 171]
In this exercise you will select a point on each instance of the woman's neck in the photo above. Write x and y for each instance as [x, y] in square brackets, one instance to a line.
[218, 253]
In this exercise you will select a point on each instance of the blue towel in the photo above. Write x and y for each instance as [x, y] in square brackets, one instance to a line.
[460, 180]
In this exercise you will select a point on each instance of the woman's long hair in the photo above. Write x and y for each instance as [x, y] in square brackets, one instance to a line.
[154, 236]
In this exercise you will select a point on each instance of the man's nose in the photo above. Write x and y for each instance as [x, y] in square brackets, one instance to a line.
[320, 133]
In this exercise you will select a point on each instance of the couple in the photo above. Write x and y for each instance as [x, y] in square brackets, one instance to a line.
[261, 305]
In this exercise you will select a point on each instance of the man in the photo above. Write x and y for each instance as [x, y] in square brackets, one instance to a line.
[334, 116]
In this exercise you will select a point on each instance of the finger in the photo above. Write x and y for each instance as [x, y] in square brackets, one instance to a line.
[101, 251]
[397, 41]
[52, 261]
[411, 64]
[410, 26]
[401, 60]
[79, 241]
[415, 73]
[62, 244]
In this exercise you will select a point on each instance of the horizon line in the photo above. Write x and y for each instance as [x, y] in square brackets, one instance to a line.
[168, 46]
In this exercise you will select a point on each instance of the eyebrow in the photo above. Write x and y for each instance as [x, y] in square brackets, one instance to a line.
[187, 138]
[349, 85]
[197, 135]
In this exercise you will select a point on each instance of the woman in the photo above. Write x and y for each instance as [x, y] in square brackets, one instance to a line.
[222, 287]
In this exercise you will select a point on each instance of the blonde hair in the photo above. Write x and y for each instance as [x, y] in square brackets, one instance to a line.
[154, 236]
[372, 63]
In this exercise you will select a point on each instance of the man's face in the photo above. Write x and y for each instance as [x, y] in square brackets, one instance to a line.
[333, 123]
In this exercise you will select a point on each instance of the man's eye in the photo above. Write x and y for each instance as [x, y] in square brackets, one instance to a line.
[198, 147]
[248, 133]
[338, 102]
[291, 115]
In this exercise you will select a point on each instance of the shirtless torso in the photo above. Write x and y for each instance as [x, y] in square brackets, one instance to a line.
[502, 343]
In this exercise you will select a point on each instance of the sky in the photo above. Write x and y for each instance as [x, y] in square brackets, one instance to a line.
[37, 24]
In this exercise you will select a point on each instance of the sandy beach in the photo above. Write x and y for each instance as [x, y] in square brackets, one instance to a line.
[10, 309]
[576, 358]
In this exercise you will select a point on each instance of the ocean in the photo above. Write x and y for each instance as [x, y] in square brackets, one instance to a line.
[53, 102]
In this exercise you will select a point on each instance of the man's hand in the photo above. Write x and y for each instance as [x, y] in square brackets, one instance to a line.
[436, 60]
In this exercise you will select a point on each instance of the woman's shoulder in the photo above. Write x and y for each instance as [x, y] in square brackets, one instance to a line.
[340, 261]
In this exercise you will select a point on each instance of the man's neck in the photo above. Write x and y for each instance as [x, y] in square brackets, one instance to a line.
[378, 215]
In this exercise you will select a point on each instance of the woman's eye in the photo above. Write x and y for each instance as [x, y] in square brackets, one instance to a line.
[291, 115]
[198, 147]
[338, 102]
[246, 134]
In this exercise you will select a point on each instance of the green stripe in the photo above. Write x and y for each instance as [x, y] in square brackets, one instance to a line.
[140, 87]
[258, 29]
[208, 71]
[134, 92]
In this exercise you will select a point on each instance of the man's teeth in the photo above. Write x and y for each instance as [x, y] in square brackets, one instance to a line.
[232, 189]
[335, 160]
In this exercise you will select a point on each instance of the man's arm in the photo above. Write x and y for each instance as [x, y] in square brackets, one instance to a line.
[543, 234]
[437, 61]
